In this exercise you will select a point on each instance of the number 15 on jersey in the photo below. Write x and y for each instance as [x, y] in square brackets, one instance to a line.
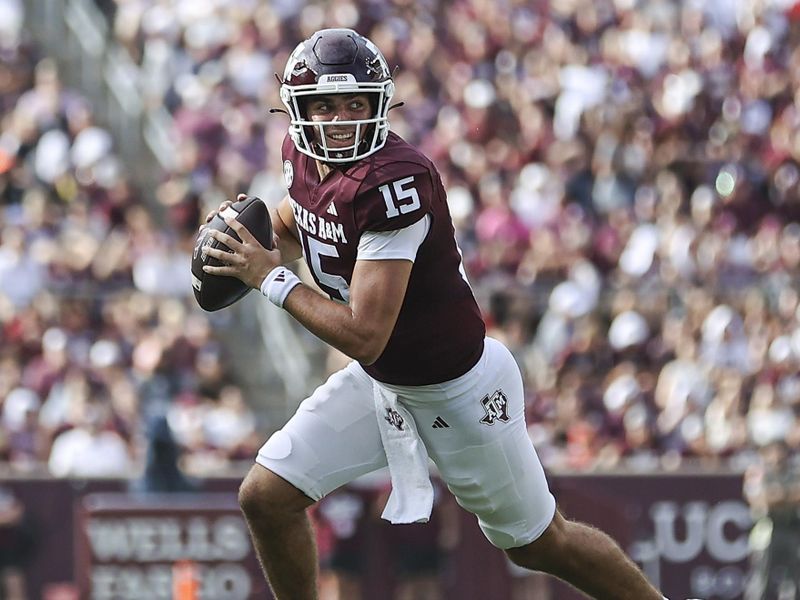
[399, 199]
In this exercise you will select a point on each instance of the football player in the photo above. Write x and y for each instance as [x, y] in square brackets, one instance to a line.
[368, 213]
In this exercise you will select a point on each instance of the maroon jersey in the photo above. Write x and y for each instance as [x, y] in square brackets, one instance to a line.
[439, 332]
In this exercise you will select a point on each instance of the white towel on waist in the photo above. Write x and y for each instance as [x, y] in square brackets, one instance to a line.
[411, 499]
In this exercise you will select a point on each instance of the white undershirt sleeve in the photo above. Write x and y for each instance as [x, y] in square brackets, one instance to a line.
[397, 244]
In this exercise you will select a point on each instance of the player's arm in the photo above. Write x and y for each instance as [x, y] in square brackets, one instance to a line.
[386, 253]
[378, 286]
[361, 329]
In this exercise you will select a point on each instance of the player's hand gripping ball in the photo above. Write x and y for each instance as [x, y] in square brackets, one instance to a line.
[214, 292]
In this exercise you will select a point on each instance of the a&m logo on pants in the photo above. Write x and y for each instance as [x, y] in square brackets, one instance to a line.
[394, 418]
[496, 407]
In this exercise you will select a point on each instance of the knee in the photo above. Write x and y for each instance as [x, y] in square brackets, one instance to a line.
[252, 494]
[546, 552]
[264, 496]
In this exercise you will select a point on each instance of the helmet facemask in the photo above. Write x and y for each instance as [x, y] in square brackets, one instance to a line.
[309, 136]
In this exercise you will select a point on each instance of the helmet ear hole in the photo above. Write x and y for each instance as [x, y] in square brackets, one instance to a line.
[302, 106]
[373, 104]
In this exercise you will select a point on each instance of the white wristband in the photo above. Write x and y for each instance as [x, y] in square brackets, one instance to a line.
[277, 285]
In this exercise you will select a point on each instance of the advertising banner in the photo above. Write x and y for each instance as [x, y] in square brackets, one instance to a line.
[161, 547]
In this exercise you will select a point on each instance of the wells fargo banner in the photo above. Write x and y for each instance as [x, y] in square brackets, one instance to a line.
[162, 547]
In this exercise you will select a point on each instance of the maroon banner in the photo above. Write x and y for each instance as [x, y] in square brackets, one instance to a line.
[689, 533]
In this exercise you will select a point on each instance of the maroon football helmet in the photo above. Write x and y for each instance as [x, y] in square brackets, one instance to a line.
[337, 61]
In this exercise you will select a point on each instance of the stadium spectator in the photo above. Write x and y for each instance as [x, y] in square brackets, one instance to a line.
[162, 471]
[341, 523]
[17, 543]
[772, 486]
[418, 552]
[27, 443]
[92, 448]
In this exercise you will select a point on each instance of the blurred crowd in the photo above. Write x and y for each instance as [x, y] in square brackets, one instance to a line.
[97, 331]
[623, 175]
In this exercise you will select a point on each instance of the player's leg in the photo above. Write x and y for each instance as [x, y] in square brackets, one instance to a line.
[488, 461]
[586, 558]
[282, 536]
[332, 439]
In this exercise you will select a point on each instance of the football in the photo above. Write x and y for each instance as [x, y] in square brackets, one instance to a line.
[214, 292]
